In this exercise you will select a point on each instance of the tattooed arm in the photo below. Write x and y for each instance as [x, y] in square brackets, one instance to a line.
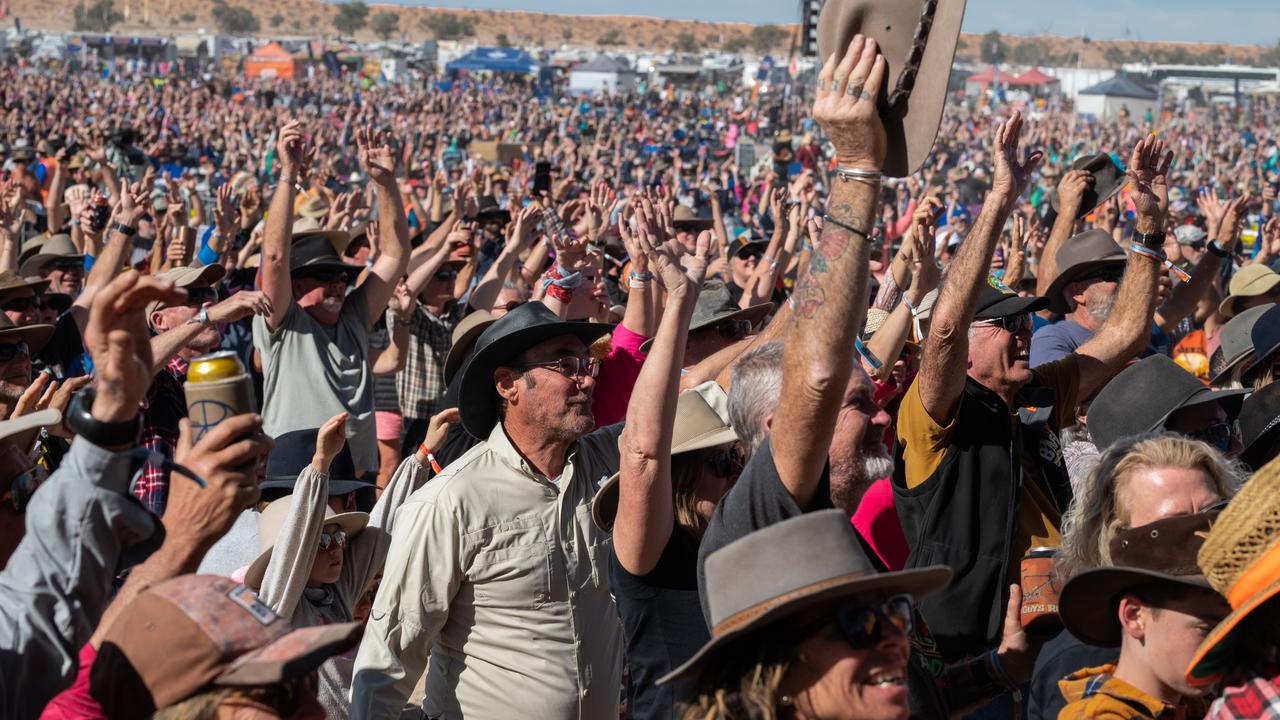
[943, 368]
[830, 299]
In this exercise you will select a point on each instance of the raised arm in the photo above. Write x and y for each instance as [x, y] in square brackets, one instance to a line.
[239, 306]
[1129, 326]
[1184, 298]
[392, 359]
[646, 517]
[131, 206]
[486, 292]
[943, 369]
[378, 162]
[1070, 195]
[831, 292]
[277, 234]
[888, 341]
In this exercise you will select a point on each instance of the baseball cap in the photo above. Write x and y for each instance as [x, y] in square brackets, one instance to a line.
[184, 276]
[1189, 234]
[996, 300]
[194, 631]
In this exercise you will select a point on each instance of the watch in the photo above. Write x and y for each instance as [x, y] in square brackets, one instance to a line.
[1216, 249]
[123, 229]
[103, 434]
[1152, 241]
[200, 318]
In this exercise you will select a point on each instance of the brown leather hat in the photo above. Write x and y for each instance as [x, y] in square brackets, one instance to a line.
[1107, 176]
[918, 41]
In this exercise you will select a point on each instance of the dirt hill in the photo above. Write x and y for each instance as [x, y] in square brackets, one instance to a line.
[316, 18]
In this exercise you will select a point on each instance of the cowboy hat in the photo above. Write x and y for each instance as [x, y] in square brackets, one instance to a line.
[1141, 398]
[1236, 343]
[697, 427]
[778, 571]
[272, 520]
[1108, 178]
[314, 208]
[997, 300]
[56, 247]
[183, 276]
[315, 252]
[501, 342]
[1251, 281]
[487, 208]
[35, 336]
[1260, 426]
[1265, 335]
[918, 41]
[293, 452]
[714, 304]
[305, 228]
[463, 339]
[9, 282]
[23, 428]
[1080, 256]
[1160, 552]
[1240, 558]
[684, 218]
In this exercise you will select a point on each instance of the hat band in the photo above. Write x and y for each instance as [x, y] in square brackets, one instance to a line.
[911, 68]
[1255, 578]
[744, 617]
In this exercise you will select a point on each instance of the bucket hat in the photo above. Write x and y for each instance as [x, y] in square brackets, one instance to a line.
[918, 41]
[778, 571]
[1108, 178]
[1236, 342]
[1160, 552]
[1251, 281]
[1080, 256]
[501, 342]
[1241, 560]
[697, 427]
[1141, 398]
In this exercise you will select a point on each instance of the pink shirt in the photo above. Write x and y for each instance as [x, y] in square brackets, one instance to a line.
[75, 703]
[877, 522]
[618, 373]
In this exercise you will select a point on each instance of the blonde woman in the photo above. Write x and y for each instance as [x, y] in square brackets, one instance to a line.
[1134, 483]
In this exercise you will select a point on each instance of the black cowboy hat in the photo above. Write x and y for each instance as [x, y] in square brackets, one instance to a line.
[1086, 253]
[487, 209]
[1141, 398]
[1108, 178]
[293, 452]
[315, 253]
[1235, 343]
[1266, 341]
[512, 334]
[1260, 426]
[996, 300]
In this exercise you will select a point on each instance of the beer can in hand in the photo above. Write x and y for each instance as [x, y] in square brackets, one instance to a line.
[1040, 592]
[217, 388]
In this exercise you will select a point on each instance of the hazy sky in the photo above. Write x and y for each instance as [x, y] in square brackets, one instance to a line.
[1236, 21]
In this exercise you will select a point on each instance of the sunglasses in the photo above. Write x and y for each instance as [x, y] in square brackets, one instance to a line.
[23, 304]
[1219, 435]
[568, 366]
[446, 275]
[328, 277]
[67, 265]
[734, 329]
[864, 626]
[1009, 323]
[11, 351]
[747, 253]
[727, 463]
[197, 296]
[328, 540]
[1107, 275]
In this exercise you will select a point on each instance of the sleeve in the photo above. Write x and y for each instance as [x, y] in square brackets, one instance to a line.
[58, 581]
[924, 442]
[1048, 345]
[422, 576]
[295, 547]
[1063, 377]
[368, 551]
[618, 374]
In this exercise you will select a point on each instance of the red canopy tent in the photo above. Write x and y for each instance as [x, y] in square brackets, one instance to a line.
[990, 76]
[1034, 77]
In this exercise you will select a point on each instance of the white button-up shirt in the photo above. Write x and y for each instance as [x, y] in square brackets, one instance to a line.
[501, 579]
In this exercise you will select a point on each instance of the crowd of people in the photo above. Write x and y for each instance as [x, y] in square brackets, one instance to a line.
[612, 426]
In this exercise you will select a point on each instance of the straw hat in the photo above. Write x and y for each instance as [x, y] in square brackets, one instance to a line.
[1241, 559]
[697, 427]
[1251, 281]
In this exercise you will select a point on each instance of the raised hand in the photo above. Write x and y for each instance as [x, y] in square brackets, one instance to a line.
[1012, 176]
[226, 218]
[226, 458]
[376, 157]
[923, 265]
[401, 302]
[845, 104]
[1148, 166]
[438, 429]
[681, 272]
[1212, 209]
[241, 305]
[1232, 219]
[329, 441]
[290, 149]
[526, 225]
[1071, 189]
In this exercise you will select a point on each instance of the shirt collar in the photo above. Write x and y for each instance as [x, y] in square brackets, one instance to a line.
[500, 445]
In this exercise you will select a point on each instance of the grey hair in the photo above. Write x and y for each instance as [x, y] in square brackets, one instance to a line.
[756, 387]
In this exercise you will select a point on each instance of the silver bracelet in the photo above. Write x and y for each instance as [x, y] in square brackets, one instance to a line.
[856, 174]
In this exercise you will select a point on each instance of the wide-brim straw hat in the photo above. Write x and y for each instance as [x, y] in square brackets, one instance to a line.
[697, 427]
[56, 247]
[918, 40]
[1241, 559]
[1251, 281]
[273, 518]
[778, 571]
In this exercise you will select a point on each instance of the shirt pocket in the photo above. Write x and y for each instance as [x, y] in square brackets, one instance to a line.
[512, 565]
[597, 544]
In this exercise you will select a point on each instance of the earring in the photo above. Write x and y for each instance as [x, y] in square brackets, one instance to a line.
[785, 701]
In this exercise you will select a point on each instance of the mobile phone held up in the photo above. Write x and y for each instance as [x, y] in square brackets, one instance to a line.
[541, 178]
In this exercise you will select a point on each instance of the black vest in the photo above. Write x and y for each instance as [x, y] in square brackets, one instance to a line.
[965, 514]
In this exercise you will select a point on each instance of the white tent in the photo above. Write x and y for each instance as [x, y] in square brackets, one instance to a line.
[1109, 98]
[601, 74]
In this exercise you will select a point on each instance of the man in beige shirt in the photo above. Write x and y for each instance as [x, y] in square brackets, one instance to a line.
[496, 572]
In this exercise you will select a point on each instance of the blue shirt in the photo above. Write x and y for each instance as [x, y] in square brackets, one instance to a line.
[1056, 341]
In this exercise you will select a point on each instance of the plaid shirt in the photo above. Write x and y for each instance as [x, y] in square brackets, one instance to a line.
[164, 406]
[1251, 694]
[421, 382]
[1096, 693]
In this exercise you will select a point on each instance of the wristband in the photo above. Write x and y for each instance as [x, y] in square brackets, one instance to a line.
[998, 673]
[1159, 257]
[435, 466]
[1152, 241]
[123, 229]
[916, 333]
[1217, 250]
[867, 356]
[840, 224]
[638, 284]
[103, 434]
[645, 276]
[772, 262]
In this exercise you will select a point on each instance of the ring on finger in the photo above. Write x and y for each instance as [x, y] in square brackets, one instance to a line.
[835, 85]
[854, 90]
